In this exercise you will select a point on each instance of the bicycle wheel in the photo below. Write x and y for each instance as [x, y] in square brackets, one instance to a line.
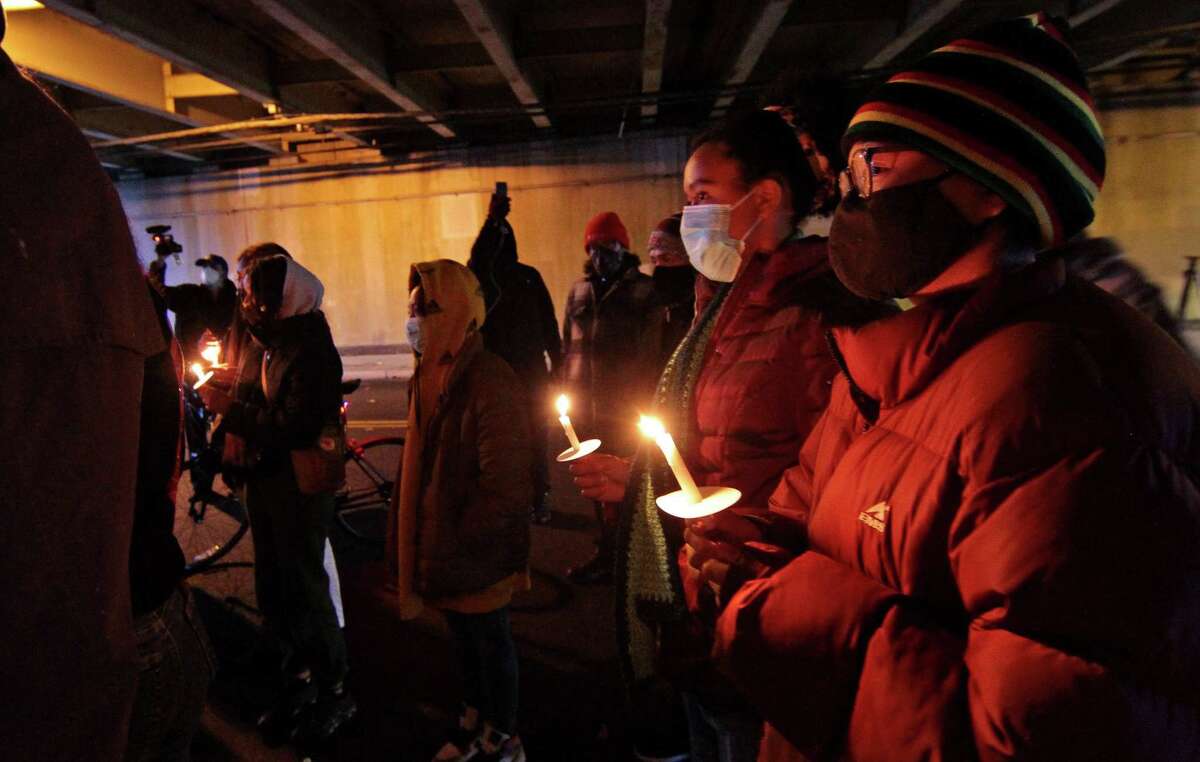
[361, 506]
[207, 525]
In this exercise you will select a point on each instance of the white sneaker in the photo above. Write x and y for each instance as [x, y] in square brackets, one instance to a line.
[463, 743]
[501, 747]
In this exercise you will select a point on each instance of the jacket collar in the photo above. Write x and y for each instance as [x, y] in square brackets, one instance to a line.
[772, 275]
[768, 277]
[892, 360]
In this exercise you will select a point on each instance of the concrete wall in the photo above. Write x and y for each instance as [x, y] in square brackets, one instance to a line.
[1150, 201]
[360, 225]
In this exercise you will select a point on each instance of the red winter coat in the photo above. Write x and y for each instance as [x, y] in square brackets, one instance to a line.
[1003, 541]
[766, 375]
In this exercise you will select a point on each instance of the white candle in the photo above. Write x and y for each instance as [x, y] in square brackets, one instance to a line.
[653, 428]
[201, 375]
[563, 404]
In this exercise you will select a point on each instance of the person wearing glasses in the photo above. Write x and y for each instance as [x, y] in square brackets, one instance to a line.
[990, 544]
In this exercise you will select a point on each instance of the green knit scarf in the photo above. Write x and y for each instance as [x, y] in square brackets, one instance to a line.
[648, 587]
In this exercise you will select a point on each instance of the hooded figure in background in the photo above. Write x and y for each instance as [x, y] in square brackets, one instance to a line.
[77, 327]
[458, 538]
[297, 398]
[521, 328]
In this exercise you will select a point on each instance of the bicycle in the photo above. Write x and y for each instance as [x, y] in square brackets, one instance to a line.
[213, 524]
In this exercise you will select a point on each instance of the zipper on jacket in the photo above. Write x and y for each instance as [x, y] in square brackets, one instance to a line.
[867, 405]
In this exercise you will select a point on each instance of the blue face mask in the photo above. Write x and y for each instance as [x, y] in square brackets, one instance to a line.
[416, 339]
[705, 233]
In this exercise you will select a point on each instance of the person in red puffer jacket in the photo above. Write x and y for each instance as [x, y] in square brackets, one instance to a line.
[994, 530]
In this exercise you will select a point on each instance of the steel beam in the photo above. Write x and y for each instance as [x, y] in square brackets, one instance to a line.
[654, 52]
[354, 44]
[916, 28]
[763, 29]
[493, 34]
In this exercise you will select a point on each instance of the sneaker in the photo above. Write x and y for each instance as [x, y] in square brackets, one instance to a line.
[501, 747]
[541, 513]
[333, 708]
[595, 571]
[281, 721]
[462, 743]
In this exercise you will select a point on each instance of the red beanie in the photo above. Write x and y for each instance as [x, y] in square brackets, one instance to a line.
[606, 226]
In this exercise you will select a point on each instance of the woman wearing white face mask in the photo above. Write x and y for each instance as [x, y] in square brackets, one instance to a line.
[740, 395]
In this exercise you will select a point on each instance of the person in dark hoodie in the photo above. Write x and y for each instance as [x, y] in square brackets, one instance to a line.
[674, 283]
[521, 328]
[612, 349]
[206, 306]
[300, 376]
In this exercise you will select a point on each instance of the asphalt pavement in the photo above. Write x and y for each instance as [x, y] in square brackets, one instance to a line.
[402, 673]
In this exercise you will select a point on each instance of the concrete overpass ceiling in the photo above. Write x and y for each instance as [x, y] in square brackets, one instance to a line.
[406, 76]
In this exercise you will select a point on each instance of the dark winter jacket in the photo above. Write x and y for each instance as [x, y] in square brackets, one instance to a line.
[1001, 516]
[612, 344]
[156, 562]
[477, 485]
[675, 290]
[302, 390]
[520, 327]
[76, 328]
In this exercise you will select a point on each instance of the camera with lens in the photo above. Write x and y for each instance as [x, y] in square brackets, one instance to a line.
[164, 243]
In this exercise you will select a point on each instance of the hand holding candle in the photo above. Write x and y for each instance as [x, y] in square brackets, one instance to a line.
[690, 501]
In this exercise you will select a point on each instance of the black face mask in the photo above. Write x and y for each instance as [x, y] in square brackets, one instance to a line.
[897, 241]
[606, 262]
[259, 327]
[675, 283]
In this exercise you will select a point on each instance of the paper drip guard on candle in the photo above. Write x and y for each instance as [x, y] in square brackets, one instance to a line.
[712, 500]
[586, 448]
[690, 501]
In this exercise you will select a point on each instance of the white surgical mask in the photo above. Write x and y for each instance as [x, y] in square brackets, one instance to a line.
[416, 339]
[705, 233]
[210, 276]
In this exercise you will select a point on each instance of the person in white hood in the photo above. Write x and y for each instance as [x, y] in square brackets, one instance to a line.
[291, 412]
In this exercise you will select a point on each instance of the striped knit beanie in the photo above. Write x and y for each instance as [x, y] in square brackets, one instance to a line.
[1009, 107]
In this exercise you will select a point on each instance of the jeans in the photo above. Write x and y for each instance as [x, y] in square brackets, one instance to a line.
[290, 531]
[488, 659]
[176, 665]
[727, 737]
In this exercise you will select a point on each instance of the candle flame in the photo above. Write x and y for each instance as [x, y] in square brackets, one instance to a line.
[651, 427]
[197, 369]
[563, 404]
[212, 352]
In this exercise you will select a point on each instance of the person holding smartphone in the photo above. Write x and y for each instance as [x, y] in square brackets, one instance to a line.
[520, 327]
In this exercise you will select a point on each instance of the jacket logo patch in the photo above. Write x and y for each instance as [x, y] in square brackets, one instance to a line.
[876, 516]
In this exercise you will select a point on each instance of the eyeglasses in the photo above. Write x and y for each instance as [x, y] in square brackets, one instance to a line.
[859, 175]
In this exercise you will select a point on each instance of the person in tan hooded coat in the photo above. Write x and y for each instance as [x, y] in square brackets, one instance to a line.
[458, 538]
